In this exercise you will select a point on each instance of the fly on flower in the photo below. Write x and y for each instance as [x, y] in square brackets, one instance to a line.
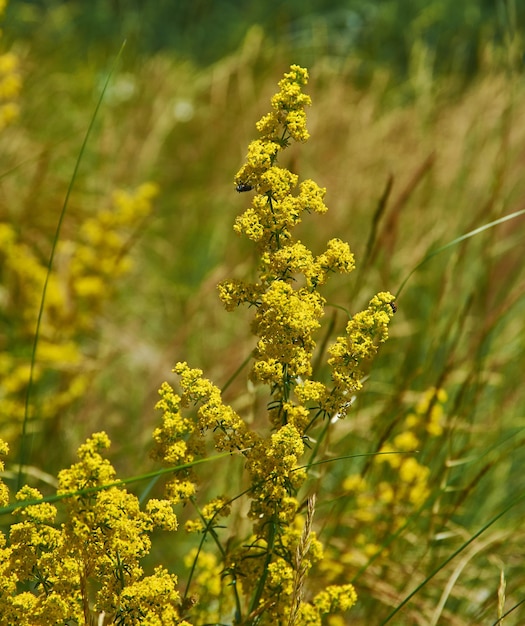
[243, 187]
[393, 306]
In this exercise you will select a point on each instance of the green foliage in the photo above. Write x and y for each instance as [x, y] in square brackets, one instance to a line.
[389, 34]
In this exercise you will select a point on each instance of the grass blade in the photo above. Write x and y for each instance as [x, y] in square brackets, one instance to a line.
[514, 502]
[24, 447]
[454, 242]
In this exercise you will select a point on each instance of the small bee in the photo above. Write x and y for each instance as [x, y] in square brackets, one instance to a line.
[243, 187]
[393, 306]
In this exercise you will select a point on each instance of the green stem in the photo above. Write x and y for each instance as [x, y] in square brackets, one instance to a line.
[262, 581]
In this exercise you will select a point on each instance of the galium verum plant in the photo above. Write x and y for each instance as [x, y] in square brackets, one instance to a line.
[82, 564]
[265, 574]
[78, 289]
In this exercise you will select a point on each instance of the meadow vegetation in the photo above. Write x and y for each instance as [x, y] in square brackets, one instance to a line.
[285, 476]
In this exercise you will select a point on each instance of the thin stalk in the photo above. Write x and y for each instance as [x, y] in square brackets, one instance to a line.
[452, 556]
[24, 438]
[454, 242]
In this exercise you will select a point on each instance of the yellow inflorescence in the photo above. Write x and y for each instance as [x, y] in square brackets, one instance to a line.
[86, 566]
[79, 285]
[89, 564]
[389, 503]
[10, 87]
[10, 84]
[288, 312]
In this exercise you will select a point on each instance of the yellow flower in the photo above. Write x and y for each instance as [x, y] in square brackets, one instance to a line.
[261, 570]
[193, 526]
[180, 490]
[308, 615]
[337, 257]
[429, 410]
[386, 492]
[10, 87]
[285, 322]
[286, 447]
[364, 333]
[336, 598]
[43, 513]
[411, 471]
[235, 292]
[281, 577]
[355, 482]
[161, 514]
[93, 554]
[152, 600]
[388, 455]
[406, 441]
[217, 507]
[310, 391]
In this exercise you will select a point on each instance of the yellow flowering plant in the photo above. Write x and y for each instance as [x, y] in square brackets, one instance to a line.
[80, 563]
[83, 566]
[78, 287]
[10, 84]
[271, 506]
[395, 486]
[76, 271]
[260, 568]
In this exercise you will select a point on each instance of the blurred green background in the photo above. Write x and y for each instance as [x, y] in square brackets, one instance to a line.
[380, 33]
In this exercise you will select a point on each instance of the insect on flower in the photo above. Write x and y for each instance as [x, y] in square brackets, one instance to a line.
[243, 187]
[393, 306]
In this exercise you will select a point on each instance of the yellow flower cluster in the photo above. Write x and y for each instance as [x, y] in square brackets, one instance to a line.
[404, 487]
[429, 412]
[288, 308]
[364, 333]
[10, 87]
[88, 565]
[10, 84]
[209, 581]
[80, 561]
[332, 600]
[98, 254]
[78, 286]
